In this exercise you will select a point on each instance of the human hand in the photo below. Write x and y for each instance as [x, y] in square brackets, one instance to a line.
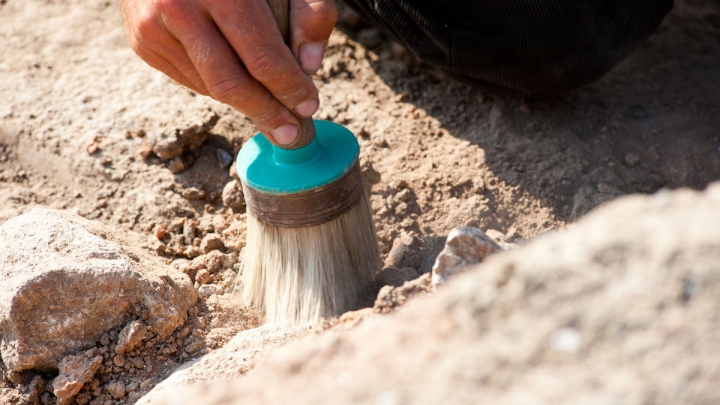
[232, 51]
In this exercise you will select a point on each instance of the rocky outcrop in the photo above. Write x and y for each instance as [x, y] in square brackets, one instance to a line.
[64, 281]
[621, 308]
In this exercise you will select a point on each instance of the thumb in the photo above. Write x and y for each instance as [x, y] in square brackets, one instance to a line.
[311, 22]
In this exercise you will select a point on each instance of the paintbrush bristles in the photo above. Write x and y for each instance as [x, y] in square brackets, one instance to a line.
[300, 275]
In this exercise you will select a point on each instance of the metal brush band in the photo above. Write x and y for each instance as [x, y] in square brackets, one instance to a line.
[308, 208]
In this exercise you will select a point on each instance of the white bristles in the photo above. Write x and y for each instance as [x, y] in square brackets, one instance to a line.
[300, 275]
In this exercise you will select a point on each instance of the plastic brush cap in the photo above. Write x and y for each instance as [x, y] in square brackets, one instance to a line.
[273, 170]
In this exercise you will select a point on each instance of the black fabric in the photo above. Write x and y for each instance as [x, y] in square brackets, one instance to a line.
[535, 47]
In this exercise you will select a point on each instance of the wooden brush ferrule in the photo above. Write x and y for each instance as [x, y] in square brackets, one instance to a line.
[308, 208]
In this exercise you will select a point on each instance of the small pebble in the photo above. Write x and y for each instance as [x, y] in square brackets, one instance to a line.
[160, 231]
[192, 193]
[210, 242]
[232, 195]
[177, 165]
[92, 147]
[145, 151]
[116, 389]
[207, 290]
[119, 360]
[224, 158]
[203, 276]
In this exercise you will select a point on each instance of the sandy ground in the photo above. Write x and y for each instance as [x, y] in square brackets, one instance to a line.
[76, 105]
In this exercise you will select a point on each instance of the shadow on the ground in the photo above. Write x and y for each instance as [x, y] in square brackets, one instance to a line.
[652, 122]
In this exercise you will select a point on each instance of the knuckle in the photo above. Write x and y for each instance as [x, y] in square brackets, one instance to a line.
[296, 95]
[176, 13]
[147, 26]
[230, 91]
[264, 63]
[139, 49]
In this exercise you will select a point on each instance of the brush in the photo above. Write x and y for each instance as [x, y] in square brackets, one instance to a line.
[311, 242]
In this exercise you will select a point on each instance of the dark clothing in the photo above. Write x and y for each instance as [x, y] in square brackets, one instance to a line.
[535, 47]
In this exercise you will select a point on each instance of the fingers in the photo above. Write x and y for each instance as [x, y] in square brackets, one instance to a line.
[232, 51]
[223, 72]
[150, 40]
[253, 34]
[311, 23]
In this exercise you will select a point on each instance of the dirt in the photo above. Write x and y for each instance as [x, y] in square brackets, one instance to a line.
[80, 113]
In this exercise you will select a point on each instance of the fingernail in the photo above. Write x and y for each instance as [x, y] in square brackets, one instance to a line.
[311, 56]
[286, 134]
[307, 108]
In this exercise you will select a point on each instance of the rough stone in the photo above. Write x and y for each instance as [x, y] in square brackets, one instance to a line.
[210, 242]
[391, 297]
[131, 336]
[65, 280]
[75, 371]
[229, 260]
[464, 246]
[116, 389]
[177, 165]
[172, 142]
[232, 195]
[235, 235]
[207, 290]
[32, 392]
[189, 228]
[402, 255]
[622, 307]
[193, 193]
[203, 276]
[119, 360]
[223, 157]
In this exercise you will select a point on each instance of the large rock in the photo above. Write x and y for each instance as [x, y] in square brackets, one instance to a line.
[622, 308]
[64, 281]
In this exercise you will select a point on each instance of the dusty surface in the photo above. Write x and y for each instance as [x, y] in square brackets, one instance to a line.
[80, 114]
[620, 309]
